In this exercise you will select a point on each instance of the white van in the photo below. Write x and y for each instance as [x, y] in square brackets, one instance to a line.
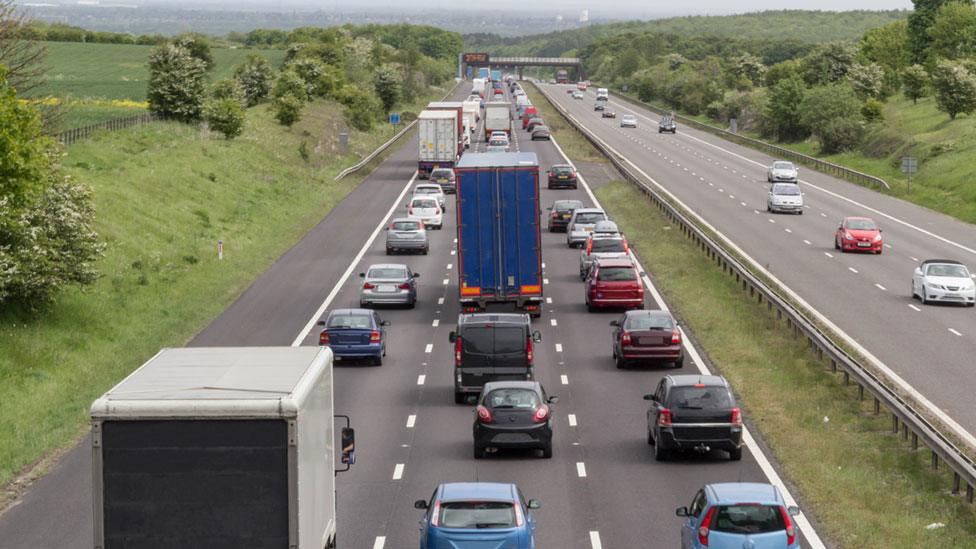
[602, 93]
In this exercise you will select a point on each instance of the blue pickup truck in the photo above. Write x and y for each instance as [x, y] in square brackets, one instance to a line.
[499, 240]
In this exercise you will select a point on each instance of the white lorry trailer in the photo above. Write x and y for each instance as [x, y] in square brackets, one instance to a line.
[219, 447]
[498, 117]
[438, 134]
[472, 110]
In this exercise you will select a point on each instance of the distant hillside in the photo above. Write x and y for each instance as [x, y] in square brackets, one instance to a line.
[809, 27]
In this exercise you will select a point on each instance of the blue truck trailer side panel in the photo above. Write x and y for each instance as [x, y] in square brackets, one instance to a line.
[499, 240]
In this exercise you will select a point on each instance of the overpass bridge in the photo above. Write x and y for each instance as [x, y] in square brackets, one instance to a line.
[516, 64]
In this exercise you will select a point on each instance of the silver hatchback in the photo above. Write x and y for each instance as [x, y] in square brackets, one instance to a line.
[601, 246]
[406, 235]
[582, 224]
[388, 284]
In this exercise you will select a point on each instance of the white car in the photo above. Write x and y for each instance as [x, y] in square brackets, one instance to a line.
[577, 94]
[497, 144]
[785, 197]
[426, 210]
[628, 121]
[432, 190]
[943, 280]
[782, 171]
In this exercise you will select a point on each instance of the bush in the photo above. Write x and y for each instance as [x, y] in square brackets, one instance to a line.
[288, 110]
[225, 115]
[198, 46]
[873, 110]
[290, 84]
[915, 82]
[254, 76]
[781, 116]
[840, 134]
[833, 114]
[227, 89]
[176, 83]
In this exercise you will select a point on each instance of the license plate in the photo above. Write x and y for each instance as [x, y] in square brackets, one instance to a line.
[567, 216]
[563, 177]
[588, 229]
[386, 288]
[864, 244]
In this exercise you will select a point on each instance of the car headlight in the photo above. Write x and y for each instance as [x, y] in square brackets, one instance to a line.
[938, 286]
[848, 236]
[877, 238]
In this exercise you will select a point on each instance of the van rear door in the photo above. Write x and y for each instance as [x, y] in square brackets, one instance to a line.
[493, 352]
[511, 347]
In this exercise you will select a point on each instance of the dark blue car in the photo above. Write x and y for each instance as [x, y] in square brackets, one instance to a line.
[477, 515]
[355, 333]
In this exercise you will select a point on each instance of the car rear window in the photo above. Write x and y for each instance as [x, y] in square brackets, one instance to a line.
[424, 203]
[498, 142]
[617, 274]
[427, 190]
[349, 321]
[562, 170]
[567, 205]
[700, 398]
[590, 217]
[512, 398]
[608, 245]
[441, 174]
[387, 272]
[648, 322]
[748, 519]
[406, 225]
[477, 340]
[787, 190]
[509, 339]
[477, 514]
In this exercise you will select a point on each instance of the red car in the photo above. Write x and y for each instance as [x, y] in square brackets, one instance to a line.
[647, 336]
[614, 283]
[858, 234]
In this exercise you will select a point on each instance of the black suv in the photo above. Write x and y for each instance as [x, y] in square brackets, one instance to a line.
[513, 414]
[694, 412]
[491, 347]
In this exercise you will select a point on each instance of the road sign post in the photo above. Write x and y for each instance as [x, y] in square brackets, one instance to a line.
[394, 120]
[909, 166]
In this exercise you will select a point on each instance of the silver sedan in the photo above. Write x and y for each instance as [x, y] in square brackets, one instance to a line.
[405, 234]
[388, 284]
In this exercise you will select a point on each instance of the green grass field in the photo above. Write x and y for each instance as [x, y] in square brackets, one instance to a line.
[164, 195]
[118, 71]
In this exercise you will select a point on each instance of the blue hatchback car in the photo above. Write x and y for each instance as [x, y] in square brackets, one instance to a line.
[736, 515]
[477, 515]
[355, 333]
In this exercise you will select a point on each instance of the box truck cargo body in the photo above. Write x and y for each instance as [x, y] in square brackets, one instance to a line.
[217, 447]
[498, 117]
[478, 86]
[472, 110]
[499, 240]
[496, 76]
[438, 140]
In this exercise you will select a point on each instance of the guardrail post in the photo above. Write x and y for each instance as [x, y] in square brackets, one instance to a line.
[847, 378]
[904, 431]
[860, 391]
[969, 493]
[894, 424]
[877, 406]
[935, 461]
[914, 441]
[833, 366]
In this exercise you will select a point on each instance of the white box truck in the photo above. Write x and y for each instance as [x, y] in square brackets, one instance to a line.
[498, 117]
[468, 126]
[472, 109]
[478, 86]
[438, 133]
[219, 447]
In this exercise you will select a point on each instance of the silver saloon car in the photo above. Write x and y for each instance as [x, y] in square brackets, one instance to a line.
[785, 197]
[582, 224]
[943, 280]
[406, 235]
[599, 247]
[782, 171]
[388, 284]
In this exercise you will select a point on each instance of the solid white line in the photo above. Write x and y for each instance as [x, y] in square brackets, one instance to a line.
[559, 347]
[564, 379]
[595, 540]
[421, 379]
[352, 266]
[436, 322]
[440, 300]
[953, 330]
[398, 471]
[450, 266]
[580, 469]
[380, 542]
[852, 269]
[553, 322]
[429, 348]
[411, 421]
[572, 420]
[914, 308]
[880, 287]
[913, 258]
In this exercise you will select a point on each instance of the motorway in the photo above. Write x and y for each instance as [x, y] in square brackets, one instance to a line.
[867, 296]
[602, 488]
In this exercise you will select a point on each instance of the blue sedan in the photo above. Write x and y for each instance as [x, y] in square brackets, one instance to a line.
[355, 333]
[477, 514]
[733, 515]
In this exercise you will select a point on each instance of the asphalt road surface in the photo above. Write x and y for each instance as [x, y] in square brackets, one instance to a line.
[867, 296]
[602, 488]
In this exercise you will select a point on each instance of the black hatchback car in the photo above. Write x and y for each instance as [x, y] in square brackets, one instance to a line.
[492, 347]
[693, 412]
[513, 414]
[560, 213]
[561, 176]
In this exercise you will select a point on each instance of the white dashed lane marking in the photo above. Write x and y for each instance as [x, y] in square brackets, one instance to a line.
[436, 322]
[549, 300]
[572, 420]
[880, 287]
[808, 243]
[828, 254]
[398, 471]
[553, 322]
[559, 347]
[595, 542]
[914, 308]
[421, 379]
[440, 300]
[954, 331]
[447, 281]
[580, 469]
[429, 348]
[852, 269]
[380, 542]
[411, 421]
[564, 379]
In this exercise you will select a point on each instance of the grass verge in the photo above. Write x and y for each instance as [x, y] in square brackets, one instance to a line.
[864, 486]
[165, 194]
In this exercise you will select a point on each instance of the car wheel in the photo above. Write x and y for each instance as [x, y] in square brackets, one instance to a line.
[660, 453]
[925, 300]
[479, 452]
[575, 187]
[769, 208]
[547, 451]
[836, 245]
[619, 361]
[389, 251]
[650, 438]
[590, 308]
[426, 251]
[735, 454]
[458, 398]
[680, 363]
[412, 304]
[363, 305]
[799, 212]
[880, 250]
[378, 361]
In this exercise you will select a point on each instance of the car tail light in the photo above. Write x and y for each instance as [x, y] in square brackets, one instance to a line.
[790, 528]
[410, 209]
[675, 337]
[435, 514]
[528, 350]
[324, 338]
[484, 414]
[625, 338]
[664, 418]
[457, 352]
[736, 417]
[368, 286]
[374, 337]
[589, 246]
[541, 414]
[404, 286]
[519, 518]
[555, 214]
[706, 524]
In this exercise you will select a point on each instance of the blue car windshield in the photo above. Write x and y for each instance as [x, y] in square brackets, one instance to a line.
[749, 519]
[477, 514]
[350, 321]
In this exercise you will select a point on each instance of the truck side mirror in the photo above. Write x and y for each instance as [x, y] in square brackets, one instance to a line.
[452, 337]
[536, 336]
[420, 504]
[348, 446]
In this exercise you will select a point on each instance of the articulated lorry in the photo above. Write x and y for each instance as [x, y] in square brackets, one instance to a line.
[499, 239]
[437, 132]
[219, 447]
[498, 117]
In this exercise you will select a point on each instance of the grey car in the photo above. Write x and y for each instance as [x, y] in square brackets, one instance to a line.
[601, 247]
[782, 171]
[785, 197]
[406, 235]
[388, 284]
[581, 225]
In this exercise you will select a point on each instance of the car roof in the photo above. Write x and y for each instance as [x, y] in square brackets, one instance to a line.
[540, 127]
[562, 166]
[404, 220]
[420, 197]
[946, 261]
[363, 312]
[558, 203]
[647, 312]
[737, 492]
[477, 318]
[590, 210]
[480, 490]
[386, 266]
[857, 218]
[427, 186]
[492, 385]
[614, 262]
[687, 380]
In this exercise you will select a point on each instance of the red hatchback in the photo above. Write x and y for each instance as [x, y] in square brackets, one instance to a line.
[614, 283]
[647, 336]
[858, 234]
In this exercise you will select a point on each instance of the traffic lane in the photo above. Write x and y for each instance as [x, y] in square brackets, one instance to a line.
[882, 317]
[274, 308]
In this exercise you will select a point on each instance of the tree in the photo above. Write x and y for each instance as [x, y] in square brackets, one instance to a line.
[782, 113]
[918, 27]
[627, 63]
[177, 83]
[288, 109]
[225, 115]
[955, 88]
[952, 34]
[888, 47]
[386, 83]
[22, 57]
[828, 63]
[254, 76]
[867, 80]
[320, 79]
[833, 114]
[675, 61]
[291, 84]
[198, 46]
[915, 82]
[872, 110]
[781, 71]
[748, 66]
[227, 89]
